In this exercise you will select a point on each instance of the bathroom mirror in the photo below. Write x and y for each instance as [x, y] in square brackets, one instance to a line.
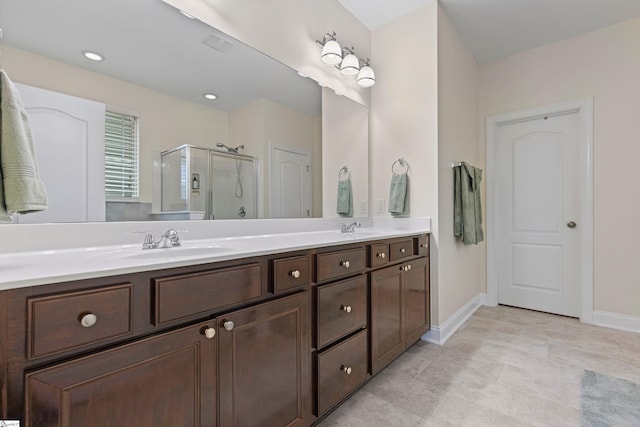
[159, 64]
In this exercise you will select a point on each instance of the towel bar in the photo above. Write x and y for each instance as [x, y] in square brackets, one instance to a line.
[402, 162]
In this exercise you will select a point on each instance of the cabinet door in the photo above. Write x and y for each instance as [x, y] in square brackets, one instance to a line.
[265, 364]
[168, 380]
[387, 340]
[416, 300]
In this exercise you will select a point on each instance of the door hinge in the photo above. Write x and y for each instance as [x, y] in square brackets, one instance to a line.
[308, 168]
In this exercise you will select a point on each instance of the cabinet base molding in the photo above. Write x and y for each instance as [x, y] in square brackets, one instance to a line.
[439, 334]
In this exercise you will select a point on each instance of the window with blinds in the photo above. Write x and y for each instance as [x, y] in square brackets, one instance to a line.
[121, 156]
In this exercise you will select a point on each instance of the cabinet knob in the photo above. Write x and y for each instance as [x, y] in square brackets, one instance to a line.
[423, 245]
[87, 320]
[345, 308]
[346, 369]
[381, 255]
[209, 332]
[402, 250]
[345, 264]
[295, 274]
[408, 267]
[228, 325]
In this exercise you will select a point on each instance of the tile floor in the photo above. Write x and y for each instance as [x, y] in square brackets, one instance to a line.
[504, 367]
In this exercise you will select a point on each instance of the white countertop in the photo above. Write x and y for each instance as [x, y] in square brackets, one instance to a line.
[58, 253]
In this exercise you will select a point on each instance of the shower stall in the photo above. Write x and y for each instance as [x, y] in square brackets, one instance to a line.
[220, 184]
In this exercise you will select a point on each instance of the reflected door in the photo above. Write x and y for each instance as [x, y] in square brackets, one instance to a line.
[68, 136]
[290, 183]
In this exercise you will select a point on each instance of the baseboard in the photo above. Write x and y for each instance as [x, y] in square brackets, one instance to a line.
[439, 334]
[616, 321]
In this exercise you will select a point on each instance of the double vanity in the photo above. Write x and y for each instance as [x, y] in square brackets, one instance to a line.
[247, 330]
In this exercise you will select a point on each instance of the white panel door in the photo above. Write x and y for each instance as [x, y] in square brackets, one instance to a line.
[538, 204]
[68, 136]
[290, 183]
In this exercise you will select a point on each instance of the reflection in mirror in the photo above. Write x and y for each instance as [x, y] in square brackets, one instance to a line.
[157, 66]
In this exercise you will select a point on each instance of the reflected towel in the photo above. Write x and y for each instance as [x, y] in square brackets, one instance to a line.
[399, 194]
[21, 189]
[345, 198]
[467, 210]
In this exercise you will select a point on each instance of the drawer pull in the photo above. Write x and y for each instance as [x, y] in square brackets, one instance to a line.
[345, 308]
[228, 325]
[345, 264]
[209, 332]
[402, 250]
[380, 255]
[295, 274]
[346, 369]
[87, 320]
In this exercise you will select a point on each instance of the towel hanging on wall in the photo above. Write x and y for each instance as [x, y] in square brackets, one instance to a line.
[21, 189]
[399, 189]
[345, 193]
[467, 209]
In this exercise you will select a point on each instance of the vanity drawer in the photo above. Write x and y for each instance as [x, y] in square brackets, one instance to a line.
[337, 264]
[289, 273]
[422, 243]
[378, 255]
[341, 308]
[340, 370]
[400, 250]
[187, 295]
[64, 322]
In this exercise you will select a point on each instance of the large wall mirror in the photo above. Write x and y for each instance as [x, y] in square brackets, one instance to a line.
[158, 65]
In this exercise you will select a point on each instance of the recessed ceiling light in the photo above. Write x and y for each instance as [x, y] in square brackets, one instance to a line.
[186, 14]
[94, 56]
[210, 96]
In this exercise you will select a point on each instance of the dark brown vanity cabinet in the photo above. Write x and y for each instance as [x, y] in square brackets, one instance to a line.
[400, 311]
[167, 380]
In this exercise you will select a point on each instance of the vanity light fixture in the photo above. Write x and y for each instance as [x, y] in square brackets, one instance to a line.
[210, 96]
[345, 60]
[331, 51]
[94, 56]
[366, 76]
[350, 65]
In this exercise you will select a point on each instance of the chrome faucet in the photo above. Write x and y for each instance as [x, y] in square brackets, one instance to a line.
[349, 228]
[169, 239]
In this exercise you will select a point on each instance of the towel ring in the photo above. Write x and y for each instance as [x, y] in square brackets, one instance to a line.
[402, 162]
[344, 171]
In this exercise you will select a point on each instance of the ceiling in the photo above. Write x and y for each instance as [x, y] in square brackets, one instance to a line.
[154, 46]
[493, 29]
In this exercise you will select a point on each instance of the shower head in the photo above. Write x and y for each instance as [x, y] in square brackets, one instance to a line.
[229, 149]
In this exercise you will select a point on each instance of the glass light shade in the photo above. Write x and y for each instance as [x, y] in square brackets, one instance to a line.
[366, 77]
[350, 65]
[331, 53]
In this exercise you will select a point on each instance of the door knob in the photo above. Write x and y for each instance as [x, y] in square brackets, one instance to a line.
[571, 224]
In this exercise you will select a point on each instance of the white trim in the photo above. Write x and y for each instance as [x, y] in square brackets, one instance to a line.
[616, 321]
[584, 108]
[440, 334]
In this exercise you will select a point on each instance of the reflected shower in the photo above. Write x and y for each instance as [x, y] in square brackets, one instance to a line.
[229, 149]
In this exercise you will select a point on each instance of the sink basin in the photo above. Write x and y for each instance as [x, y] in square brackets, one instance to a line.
[179, 252]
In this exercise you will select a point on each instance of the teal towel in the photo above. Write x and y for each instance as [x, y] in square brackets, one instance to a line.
[467, 210]
[21, 189]
[345, 198]
[399, 194]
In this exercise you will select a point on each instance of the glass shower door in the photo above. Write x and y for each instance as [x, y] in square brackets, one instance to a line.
[233, 186]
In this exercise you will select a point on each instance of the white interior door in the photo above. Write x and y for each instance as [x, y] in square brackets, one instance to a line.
[537, 218]
[68, 136]
[290, 183]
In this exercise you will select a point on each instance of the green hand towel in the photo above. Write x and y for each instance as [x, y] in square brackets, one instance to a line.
[399, 194]
[345, 198]
[21, 189]
[467, 210]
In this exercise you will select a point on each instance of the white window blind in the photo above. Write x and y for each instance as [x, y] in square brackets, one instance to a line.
[121, 156]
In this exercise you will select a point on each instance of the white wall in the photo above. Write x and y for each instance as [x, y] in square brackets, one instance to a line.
[404, 118]
[462, 269]
[604, 64]
[345, 142]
